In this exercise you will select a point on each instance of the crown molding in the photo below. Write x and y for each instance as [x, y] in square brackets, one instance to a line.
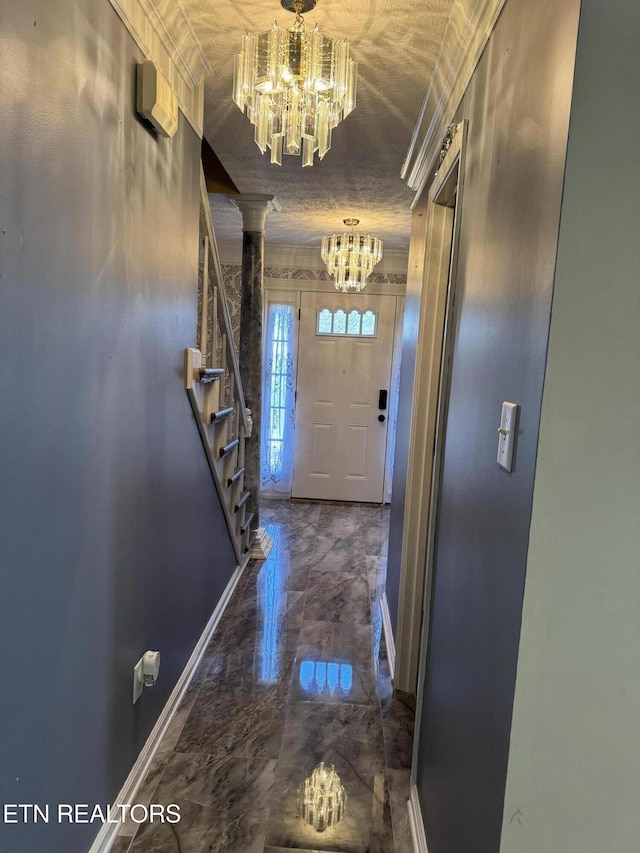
[308, 257]
[162, 31]
[465, 38]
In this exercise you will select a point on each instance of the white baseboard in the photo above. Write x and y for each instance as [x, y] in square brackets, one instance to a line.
[416, 823]
[388, 634]
[109, 831]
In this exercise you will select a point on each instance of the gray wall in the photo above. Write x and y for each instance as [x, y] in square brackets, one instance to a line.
[111, 537]
[573, 783]
[517, 105]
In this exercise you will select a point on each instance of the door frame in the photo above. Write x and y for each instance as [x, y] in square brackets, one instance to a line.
[290, 290]
[385, 306]
[394, 397]
[440, 255]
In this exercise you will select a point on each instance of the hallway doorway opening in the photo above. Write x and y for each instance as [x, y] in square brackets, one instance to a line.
[434, 349]
[331, 376]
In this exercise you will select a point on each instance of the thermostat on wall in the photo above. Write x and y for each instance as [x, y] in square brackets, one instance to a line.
[157, 101]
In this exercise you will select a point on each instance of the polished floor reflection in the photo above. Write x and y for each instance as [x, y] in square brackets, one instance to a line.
[295, 675]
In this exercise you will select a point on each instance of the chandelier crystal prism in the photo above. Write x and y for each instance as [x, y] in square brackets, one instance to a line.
[294, 86]
[350, 257]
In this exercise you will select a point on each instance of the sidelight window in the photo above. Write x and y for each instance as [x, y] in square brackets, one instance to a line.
[278, 402]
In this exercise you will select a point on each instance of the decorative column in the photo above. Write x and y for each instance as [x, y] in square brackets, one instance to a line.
[254, 209]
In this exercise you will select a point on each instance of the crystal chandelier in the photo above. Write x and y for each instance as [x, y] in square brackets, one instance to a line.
[322, 798]
[294, 86]
[350, 257]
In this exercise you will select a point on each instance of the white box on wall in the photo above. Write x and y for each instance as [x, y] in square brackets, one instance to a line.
[156, 100]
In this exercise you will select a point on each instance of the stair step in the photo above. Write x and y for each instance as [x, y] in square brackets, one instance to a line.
[246, 524]
[242, 501]
[235, 476]
[229, 447]
[210, 374]
[220, 415]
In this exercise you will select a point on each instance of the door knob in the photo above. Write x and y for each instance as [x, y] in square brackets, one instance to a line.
[381, 418]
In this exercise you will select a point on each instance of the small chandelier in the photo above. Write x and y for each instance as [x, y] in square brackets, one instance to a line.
[322, 798]
[294, 86]
[350, 257]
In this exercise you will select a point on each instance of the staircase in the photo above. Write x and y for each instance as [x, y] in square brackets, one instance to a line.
[214, 388]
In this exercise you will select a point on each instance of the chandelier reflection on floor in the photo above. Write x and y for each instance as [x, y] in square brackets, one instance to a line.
[294, 86]
[322, 798]
[350, 257]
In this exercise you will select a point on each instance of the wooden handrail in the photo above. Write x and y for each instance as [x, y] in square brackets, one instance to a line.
[223, 310]
[217, 403]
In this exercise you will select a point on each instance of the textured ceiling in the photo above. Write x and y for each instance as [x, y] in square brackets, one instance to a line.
[395, 45]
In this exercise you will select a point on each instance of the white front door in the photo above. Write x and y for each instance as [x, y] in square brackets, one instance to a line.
[344, 363]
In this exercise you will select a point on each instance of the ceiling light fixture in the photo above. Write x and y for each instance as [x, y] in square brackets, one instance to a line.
[294, 86]
[350, 257]
[322, 798]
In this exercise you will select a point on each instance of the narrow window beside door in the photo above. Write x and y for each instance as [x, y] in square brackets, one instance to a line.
[278, 402]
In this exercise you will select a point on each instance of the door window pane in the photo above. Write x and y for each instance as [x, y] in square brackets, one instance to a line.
[339, 322]
[369, 323]
[355, 324]
[324, 322]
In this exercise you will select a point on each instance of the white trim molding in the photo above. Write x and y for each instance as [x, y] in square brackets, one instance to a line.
[109, 831]
[416, 822]
[434, 266]
[388, 634]
[162, 31]
[299, 285]
[308, 257]
[466, 35]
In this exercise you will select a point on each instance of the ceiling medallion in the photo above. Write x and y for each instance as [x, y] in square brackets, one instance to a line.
[294, 86]
[322, 798]
[350, 257]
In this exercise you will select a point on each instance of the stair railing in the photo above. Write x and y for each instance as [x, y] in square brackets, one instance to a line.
[214, 388]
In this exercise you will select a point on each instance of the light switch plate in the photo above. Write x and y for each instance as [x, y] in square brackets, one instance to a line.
[507, 434]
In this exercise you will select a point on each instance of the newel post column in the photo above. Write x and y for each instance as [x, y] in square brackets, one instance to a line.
[254, 209]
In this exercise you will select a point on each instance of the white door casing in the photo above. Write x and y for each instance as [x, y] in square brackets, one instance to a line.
[439, 264]
[340, 442]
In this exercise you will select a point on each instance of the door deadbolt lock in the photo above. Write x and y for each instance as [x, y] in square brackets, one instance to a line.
[381, 418]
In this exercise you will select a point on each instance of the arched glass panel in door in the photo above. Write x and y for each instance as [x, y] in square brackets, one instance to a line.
[355, 324]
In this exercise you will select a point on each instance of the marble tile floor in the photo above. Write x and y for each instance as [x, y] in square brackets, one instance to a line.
[295, 674]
